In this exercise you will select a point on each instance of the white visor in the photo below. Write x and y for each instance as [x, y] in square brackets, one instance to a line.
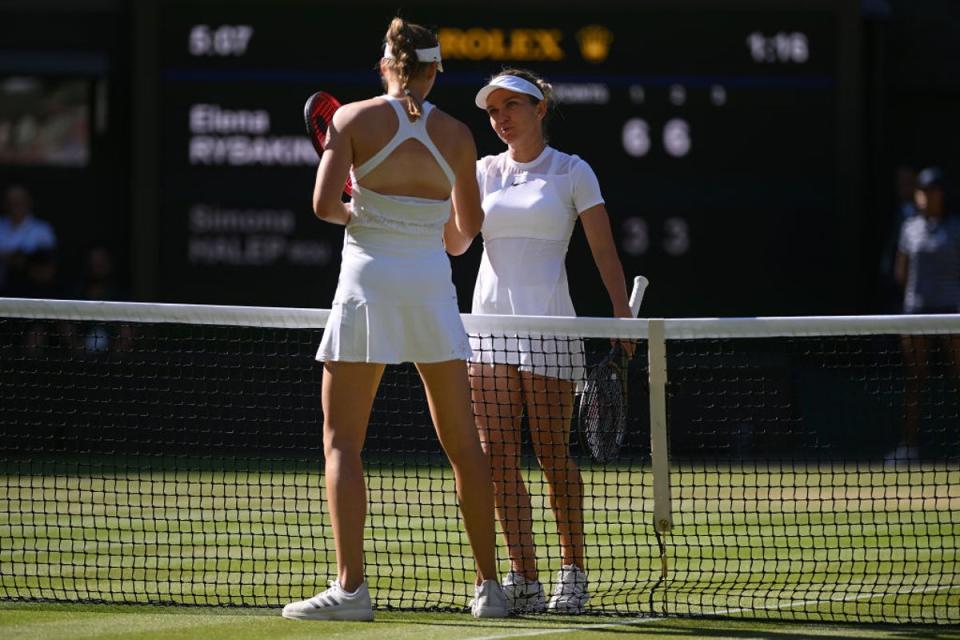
[510, 83]
[430, 54]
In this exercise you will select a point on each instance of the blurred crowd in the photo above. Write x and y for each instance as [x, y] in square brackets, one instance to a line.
[30, 258]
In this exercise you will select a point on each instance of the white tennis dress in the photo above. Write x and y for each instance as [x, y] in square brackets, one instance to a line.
[531, 209]
[395, 300]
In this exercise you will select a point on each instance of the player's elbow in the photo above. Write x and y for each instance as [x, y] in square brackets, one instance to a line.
[456, 243]
[324, 208]
[456, 248]
[469, 232]
[325, 213]
[327, 204]
[319, 211]
[470, 225]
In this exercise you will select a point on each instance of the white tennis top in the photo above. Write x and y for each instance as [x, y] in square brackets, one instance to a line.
[395, 299]
[531, 209]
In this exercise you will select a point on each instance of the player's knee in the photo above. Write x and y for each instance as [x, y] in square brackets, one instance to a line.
[560, 469]
[504, 461]
[504, 475]
[341, 448]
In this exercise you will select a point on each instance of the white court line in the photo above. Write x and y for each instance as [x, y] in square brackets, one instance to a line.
[722, 612]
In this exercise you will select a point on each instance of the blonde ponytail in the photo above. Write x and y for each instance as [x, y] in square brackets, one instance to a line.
[404, 38]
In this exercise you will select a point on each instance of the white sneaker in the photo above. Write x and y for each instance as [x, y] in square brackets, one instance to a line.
[523, 596]
[489, 601]
[570, 593]
[333, 604]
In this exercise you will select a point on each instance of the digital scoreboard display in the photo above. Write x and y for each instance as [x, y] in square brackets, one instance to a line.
[724, 136]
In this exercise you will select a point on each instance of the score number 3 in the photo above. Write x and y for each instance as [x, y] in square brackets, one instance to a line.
[636, 236]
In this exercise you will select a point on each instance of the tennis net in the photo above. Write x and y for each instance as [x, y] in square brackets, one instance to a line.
[804, 469]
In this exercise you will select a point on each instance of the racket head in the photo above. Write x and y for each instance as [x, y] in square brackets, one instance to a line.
[602, 414]
[318, 113]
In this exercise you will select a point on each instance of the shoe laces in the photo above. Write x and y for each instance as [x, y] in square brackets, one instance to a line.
[570, 581]
[516, 579]
[333, 588]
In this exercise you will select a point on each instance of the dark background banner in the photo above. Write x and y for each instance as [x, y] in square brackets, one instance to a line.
[717, 135]
[747, 150]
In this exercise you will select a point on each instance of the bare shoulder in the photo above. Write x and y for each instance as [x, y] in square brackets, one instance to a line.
[358, 111]
[451, 134]
[444, 123]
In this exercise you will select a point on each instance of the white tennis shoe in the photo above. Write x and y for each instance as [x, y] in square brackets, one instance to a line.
[333, 604]
[489, 601]
[570, 593]
[523, 596]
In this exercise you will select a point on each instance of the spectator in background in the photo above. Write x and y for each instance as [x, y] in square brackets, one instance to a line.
[928, 256]
[27, 246]
[98, 282]
[928, 268]
[98, 279]
[890, 293]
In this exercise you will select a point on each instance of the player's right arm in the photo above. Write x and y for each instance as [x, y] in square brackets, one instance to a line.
[334, 168]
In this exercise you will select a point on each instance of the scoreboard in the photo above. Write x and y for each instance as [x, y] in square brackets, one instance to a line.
[724, 135]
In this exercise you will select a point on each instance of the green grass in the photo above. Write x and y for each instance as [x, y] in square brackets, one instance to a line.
[806, 543]
[60, 622]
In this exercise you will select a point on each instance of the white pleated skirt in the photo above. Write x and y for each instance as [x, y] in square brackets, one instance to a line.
[395, 302]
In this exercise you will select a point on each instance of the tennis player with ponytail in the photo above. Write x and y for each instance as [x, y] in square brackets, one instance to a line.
[414, 197]
[533, 196]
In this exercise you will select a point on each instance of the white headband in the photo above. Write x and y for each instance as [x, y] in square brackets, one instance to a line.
[430, 54]
[511, 83]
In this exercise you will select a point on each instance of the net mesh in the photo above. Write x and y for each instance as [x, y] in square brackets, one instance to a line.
[181, 463]
[148, 456]
[815, 477]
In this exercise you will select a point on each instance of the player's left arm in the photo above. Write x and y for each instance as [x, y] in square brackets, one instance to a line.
[596, 226]
[467, 214]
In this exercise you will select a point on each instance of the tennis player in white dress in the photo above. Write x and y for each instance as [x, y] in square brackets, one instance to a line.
[532, 197]
[395, 302]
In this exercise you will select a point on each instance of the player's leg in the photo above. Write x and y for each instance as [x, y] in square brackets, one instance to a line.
[448, 396]
[497, 406]
[349, 389]
[549, 403]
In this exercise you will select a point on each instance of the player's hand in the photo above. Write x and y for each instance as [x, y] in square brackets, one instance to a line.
[629, 346]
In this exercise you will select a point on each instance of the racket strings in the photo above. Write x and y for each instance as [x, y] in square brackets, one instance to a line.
[321, 116]
[318, 114]
[603, 412]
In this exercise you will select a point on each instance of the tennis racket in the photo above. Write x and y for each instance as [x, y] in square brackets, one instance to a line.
[603, 407]
[317, 116]
[603, 402]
